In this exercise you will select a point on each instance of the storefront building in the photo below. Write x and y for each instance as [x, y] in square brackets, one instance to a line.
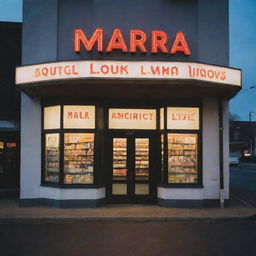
[125, 102]
[10, 52]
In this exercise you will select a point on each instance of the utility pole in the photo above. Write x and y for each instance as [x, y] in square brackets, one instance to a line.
[252, 146]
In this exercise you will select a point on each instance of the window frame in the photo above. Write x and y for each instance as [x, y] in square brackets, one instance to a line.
[61, 133]
[165, 131]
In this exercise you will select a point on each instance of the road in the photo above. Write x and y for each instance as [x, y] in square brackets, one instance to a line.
[243, 182]
[236, 238]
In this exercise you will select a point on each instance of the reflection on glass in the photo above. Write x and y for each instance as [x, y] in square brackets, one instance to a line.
[141, 189]
[119, 189]
[182, 158]
[141, 159]
[78, 158]
[119, 158]
[52, 152]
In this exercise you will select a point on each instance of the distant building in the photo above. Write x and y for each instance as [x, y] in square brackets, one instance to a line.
[242, 136]
[10, 52]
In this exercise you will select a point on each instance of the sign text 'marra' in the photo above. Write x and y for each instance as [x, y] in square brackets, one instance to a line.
[138, 38]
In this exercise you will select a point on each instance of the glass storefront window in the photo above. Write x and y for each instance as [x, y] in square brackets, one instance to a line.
[182, 158]
[52, 159]
[78, 158]
[68, 155]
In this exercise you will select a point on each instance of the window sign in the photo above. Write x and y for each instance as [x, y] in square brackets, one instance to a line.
[79, 117]
[132, 119]
[183, 118]
[52, 117]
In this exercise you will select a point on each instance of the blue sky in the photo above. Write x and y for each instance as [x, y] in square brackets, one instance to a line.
[11, 10]
[242, 18]
[243, 54]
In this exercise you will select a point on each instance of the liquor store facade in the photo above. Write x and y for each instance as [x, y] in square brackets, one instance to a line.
[131, 114]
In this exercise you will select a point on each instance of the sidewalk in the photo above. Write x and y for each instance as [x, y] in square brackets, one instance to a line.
[10, 212]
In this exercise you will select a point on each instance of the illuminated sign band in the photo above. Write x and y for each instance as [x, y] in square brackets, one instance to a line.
[132, 119]
[127, 70]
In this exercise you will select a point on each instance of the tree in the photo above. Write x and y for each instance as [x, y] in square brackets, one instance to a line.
[234, 117]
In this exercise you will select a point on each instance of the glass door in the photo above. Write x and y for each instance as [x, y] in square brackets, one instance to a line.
[142, 169]
[119, 167]
[132, 170]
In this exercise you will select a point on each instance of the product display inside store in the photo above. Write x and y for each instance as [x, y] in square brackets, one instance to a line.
[78, 158]
[141, 159]
[119, 158]
[182, 158]
[52, 157]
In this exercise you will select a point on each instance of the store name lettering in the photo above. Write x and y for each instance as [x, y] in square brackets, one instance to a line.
[183, 117]
[78, 115]
[132, 116]
[106, 69]
[56, 71]
[206, 73]
[138, 38]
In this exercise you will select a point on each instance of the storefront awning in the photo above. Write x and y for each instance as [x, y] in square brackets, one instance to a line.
[129, 79]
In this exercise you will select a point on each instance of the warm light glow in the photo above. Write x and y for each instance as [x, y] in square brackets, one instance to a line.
[117, 42]
[132, 119]
[79, 117]
[159, 40]
[137, 43]
[183, 118]
[127, 69]
[180, 44]
[80, 37]
[52, 117]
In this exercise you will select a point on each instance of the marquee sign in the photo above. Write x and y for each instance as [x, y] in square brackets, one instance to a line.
[127, 70]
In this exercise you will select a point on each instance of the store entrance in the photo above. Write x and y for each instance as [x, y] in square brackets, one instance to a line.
[132, 169]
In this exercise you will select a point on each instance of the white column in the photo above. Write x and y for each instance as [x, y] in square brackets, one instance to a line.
[211, 148]
[226, 147]
[30, 166]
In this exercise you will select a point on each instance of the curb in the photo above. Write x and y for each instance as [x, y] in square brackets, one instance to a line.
[51, 220]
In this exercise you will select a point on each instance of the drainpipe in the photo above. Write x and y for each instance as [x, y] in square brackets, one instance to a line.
[221, 153]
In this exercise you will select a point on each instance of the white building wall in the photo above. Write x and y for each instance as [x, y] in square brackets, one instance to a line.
[69, 194]
[30, 166]
[226, 147]
[210, 148]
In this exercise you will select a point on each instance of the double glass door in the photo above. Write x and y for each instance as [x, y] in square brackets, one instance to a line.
[132, 170]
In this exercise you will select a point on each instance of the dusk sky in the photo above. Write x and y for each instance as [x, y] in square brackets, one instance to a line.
[242, 47]
[243, 54]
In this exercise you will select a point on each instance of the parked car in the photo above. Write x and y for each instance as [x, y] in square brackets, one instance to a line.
[233, 159]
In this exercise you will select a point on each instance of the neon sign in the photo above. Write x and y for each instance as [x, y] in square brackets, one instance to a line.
[138, 38]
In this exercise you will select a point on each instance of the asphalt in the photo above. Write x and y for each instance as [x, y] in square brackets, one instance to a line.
[11, 212]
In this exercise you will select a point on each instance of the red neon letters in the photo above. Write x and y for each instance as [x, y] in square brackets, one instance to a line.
[138, 38]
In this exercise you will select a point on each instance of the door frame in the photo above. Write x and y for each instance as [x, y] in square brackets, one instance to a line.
[154, 165]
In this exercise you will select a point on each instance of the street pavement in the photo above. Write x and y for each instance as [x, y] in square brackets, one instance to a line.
[243, 182]
[135, 230]
[199, 238]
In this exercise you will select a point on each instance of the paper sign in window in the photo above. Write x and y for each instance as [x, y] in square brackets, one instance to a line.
[183, 118]
[79, 117]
